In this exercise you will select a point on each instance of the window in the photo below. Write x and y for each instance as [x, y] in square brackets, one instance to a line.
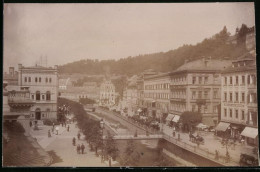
[215, 94]
[46, 79]
[49, 79]
[243, 80]
[230, 97]
[36, 79]
[29, 79]
[200, 80]
[48, 95]
[193, 108]
[243, 115]
[236, 80]
[38, 95]
[225, 112]
[230, 81]
[236, 97]
[200, 94]
[205, 109]
[236, 113]
[243, 97]
[25, 79]
[193, 79]
[205, 94]
[225, 96]
[42, 97]
[33, 97]
[206, 79]
[230, 113]
[225, 80]
[40, 79]
[193, 94]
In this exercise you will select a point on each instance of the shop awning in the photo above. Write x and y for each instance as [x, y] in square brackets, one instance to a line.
[176, 118]
[250, 132]
[169, 117]
[222, 126]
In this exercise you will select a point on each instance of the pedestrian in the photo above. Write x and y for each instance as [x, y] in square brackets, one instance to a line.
[82, 148]
[49, 133]
[74, 141]
[68, 128]
[57, 130]
[78, 148]
[78, 136]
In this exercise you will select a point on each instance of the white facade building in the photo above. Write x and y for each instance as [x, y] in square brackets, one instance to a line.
[107, 94]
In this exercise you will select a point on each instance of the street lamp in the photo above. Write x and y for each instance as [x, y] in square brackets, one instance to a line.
[102, 127]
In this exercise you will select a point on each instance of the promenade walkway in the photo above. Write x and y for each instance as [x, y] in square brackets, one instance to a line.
[64, 154]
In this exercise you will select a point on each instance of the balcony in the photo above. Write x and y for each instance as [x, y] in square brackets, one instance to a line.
[20, 101]
[177, 100]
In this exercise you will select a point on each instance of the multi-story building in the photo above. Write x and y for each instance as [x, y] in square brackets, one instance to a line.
[64, 83]
[76, 93]
[107, 94]
[195, 86]
[12, 77]
[42, 83]
[157, 94]
[239, 100]
[17, 105]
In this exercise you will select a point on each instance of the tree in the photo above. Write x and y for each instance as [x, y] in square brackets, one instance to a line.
[110, 147]
[131, 157]
[190, 119]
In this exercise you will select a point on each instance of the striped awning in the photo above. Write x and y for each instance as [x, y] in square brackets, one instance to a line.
[250, 132]
[176, 118]
[222, 126]
[169, 117]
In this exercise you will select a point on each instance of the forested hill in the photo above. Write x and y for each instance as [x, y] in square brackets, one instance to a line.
[217, 47]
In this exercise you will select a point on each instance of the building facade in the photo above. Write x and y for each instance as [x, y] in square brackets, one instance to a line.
[196, 87]
[239, 100]
[107, 95]
[157, 94]
[43, 87]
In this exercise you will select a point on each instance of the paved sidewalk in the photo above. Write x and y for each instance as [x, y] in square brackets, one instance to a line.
[66, 154]
[212, 143]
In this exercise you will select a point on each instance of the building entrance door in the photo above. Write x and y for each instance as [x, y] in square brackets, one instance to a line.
[38, 114]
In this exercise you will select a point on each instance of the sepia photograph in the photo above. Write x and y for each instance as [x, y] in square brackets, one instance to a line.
[129, 85]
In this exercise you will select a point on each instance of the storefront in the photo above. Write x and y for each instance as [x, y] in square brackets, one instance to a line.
[251, 136]
[222, 128]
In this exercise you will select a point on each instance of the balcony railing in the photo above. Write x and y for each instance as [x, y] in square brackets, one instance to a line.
[20, 100]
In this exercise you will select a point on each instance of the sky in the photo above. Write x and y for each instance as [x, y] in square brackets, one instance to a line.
[63, 33]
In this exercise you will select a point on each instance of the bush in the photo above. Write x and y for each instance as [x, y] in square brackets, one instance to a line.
[14, 126]
[49, 122]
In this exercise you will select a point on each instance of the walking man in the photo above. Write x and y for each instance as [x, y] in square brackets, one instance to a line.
[78, 136]
[68, 128]
[78, 149]
[82, 148]
[57, 130]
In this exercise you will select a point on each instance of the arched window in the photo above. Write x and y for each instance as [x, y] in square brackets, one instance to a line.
[46, 79]
[49, 79]
[38, 95]
[40, 79]
[48, 95]
[36, 79]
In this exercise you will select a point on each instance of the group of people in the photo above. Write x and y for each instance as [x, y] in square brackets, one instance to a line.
[57, 128]
[80, 148]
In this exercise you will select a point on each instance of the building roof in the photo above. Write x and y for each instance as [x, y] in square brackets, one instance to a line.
[204, 64]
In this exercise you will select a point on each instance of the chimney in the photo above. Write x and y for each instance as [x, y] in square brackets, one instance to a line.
[20, 66]
[11, 71]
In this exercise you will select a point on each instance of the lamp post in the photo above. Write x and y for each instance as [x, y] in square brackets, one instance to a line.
[102, 127]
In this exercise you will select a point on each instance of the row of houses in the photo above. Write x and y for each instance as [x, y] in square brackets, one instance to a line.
[223, 91]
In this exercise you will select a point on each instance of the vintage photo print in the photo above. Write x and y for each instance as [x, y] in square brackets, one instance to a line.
[129, 85]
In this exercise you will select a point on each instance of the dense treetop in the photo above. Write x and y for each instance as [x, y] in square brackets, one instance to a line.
[216, 47]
